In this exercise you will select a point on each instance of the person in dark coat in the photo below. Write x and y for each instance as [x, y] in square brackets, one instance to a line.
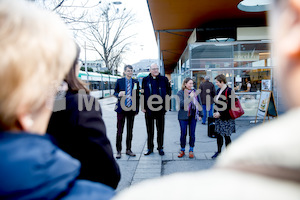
[127, 107]
[80, 131]
[155, 84]
[189, 113]
[207, 95]
[224, 124]
[37, 54]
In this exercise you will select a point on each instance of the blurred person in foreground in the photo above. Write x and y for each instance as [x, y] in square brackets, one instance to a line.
[37, 53]
[80, 131]
[264, 163]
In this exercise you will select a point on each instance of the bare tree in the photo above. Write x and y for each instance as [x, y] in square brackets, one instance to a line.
[72, 12]
[116, 62]
[108, 36]
[102, 25]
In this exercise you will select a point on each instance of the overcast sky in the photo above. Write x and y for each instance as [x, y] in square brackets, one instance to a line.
[144, 45]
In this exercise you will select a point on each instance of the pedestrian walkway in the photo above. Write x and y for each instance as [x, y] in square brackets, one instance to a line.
[141, 167]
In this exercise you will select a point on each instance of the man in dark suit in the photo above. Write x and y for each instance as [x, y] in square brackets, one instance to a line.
[155, 84]
[127, 92]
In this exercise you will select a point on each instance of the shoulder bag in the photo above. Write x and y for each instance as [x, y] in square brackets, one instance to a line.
[237, 111]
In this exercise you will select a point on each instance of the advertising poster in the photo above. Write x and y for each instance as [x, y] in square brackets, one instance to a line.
[265, 84]
[263, 103]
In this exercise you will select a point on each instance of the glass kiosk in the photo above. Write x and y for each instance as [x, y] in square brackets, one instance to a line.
[246, 65]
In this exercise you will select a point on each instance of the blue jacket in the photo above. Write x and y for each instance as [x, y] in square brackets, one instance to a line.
[121, 86]
[31, 167]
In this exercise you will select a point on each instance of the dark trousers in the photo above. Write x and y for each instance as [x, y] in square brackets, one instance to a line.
[160, 127]
[220, 141]
[191, 122]
[129, 116]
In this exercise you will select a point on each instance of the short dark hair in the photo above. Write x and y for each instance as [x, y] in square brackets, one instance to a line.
[221, 78]
[127, 66]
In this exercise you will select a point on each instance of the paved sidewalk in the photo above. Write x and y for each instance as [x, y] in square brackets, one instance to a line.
[141, 167]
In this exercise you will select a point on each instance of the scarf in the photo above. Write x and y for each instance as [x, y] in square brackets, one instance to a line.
[221, 90]
[194, 105]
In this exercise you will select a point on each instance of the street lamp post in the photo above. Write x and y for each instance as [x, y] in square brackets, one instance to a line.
[85, 64]
[113, 3]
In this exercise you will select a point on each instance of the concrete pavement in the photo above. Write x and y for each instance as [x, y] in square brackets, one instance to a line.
[141, 167]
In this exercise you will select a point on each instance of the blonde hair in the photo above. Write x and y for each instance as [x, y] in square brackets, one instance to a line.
[36, 53]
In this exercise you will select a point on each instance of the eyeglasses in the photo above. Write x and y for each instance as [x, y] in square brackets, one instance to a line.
[61, 90]
[154, 69]
[58, 91]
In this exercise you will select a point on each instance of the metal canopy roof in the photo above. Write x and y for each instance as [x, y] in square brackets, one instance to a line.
[175, 20]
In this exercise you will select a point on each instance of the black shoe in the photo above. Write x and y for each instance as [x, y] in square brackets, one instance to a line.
[203, 123]
[148, 152]
[215, 155]
[129, 152]
[118, 155]
[161, 152]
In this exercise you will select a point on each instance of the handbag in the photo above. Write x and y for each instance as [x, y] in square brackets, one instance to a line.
[238, 110]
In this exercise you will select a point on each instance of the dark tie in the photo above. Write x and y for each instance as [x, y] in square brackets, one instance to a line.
[128, 96]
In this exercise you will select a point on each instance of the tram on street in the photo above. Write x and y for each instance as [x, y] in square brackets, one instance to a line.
[140, 77]
[100, 85]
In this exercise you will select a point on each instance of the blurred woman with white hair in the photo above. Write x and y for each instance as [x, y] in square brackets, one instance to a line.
[36, 54]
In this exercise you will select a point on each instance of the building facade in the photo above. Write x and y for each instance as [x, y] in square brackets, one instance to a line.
[244, 63]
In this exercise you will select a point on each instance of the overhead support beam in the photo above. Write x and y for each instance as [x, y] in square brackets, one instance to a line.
[174, 30]
[168, 51]
[177, 34]
[198, 29]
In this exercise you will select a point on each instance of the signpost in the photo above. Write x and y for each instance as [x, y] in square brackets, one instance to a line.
[266, 106]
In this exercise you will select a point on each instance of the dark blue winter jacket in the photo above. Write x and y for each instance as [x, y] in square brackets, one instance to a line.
[32, 167]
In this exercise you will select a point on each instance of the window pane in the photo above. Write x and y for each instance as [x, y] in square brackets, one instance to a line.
[252, 55]
[251, 80]
[249, 103]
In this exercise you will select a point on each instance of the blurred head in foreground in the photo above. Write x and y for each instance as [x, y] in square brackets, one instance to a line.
[285, 30]
[36, 54]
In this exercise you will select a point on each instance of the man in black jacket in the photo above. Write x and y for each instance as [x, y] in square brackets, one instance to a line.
[207, 95]
[156, 87]
[127, 107]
